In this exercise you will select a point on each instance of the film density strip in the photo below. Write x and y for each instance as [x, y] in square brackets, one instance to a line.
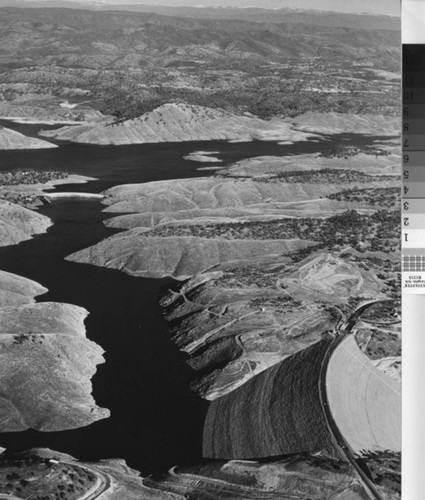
[413, 176]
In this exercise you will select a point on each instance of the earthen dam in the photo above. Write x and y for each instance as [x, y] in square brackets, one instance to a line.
[328, 398]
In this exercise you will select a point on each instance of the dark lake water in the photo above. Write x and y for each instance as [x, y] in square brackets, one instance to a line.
[114, 165]
[156, 420]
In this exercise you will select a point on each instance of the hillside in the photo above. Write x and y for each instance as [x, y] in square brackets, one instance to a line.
[47, 472]
[360, 168]
[180, 228]
[19, 224]
[181, 122]
[275, 241]
[16, 290]
[10, 139]
[274, 15]
[46, 362]
[128, 63]
[177, 122]
[77, 36]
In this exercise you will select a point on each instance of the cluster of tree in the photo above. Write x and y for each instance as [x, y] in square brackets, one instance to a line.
[269, 104]
[284, 303]
[383, 197]
[351, 151]
[13, 177]
[241, 276]
[324, 176]
[27, 200]
[122, 96]
[378, 231]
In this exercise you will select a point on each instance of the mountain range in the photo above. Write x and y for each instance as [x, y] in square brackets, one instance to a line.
[248, 13]
[71, 37]
[386, 7]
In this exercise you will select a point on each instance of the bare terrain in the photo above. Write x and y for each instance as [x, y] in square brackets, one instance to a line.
[9, 139]
[18, 223]
[181, 122]
[46, 361]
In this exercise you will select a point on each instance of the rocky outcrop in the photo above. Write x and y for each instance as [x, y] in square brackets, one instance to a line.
[176, 122]
[19, 224]
[46, 362]
[10, 139]
[239, 320]
[235, 323]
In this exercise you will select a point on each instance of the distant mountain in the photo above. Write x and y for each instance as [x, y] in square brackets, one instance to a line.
[382, 7]
[45, 4]
[280, 15]
[82, 38]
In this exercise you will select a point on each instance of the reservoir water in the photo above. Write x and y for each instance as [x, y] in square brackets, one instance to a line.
[156, 421]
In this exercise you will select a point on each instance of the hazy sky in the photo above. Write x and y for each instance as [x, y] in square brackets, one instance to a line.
[413, 21]
[391, 7]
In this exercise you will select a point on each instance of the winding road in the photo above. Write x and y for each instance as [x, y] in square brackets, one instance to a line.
[103, 481]
[242, 492]
[344, 329]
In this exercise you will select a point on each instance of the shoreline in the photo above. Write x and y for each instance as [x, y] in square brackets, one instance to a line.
[34, 121]
[70, 195]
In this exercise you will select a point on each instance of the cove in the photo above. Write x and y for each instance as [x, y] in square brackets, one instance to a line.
[156, 420]
[113, 165]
